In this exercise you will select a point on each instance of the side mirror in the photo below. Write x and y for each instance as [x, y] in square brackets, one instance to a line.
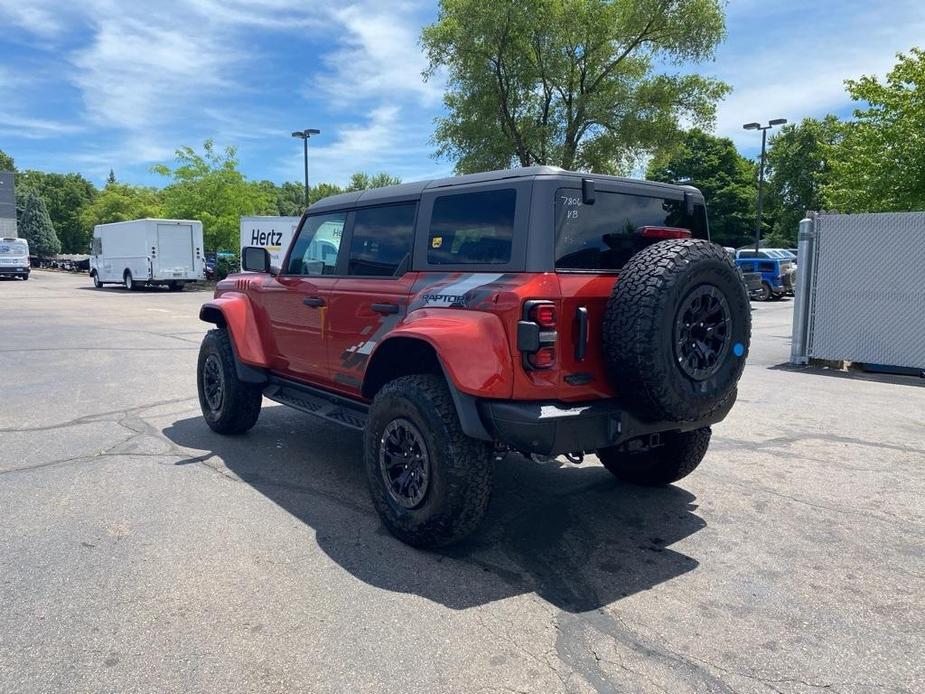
[255, 259]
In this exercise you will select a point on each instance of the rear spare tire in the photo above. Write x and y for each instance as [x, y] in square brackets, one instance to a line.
[676, 330]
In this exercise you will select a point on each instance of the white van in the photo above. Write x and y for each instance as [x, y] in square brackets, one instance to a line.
[148, 251]
[14, 257]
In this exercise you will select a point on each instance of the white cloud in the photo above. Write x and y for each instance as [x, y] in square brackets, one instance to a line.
[381, 143]
[379, 57]
[797, 66]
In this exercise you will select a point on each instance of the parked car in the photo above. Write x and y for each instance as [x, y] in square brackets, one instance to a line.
[14, 258]
[773, 253]
[778, 276]
[534, 310]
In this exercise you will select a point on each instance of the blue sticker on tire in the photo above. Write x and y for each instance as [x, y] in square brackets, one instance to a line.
[738, 349]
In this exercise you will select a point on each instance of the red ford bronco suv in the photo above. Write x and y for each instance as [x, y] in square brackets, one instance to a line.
[532, 310]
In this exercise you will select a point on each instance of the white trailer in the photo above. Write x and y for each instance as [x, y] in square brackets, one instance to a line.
[148, 251]
[273, 233]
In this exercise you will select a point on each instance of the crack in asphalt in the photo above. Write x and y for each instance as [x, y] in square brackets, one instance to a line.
[109, 416]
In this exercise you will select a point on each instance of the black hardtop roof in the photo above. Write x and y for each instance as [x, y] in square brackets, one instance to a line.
[409, 191]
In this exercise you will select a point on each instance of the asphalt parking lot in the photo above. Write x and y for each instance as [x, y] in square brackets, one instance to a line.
[141, 552]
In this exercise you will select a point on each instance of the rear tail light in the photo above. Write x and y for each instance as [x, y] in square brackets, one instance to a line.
[544, 358]
[663, 233]
[536, 335]
[543, 315]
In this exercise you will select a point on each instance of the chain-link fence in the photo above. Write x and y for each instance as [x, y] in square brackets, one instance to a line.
[861, 289]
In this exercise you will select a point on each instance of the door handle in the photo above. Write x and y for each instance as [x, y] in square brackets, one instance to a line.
[313, 301]
[385, 308]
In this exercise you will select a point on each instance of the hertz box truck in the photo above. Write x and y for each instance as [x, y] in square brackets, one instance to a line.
[273, 233]
[148, 251]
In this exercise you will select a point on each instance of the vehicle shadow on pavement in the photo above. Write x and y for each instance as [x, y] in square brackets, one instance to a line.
[571, 534]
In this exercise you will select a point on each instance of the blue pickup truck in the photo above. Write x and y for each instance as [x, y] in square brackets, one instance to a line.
[778, 275]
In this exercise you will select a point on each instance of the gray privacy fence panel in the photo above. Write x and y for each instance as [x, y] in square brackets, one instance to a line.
[867, 300]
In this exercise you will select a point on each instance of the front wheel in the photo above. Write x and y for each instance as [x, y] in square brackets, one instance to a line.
[229, 405]
[96, 280]
[765, 293]
[678, 454]
[429, 482]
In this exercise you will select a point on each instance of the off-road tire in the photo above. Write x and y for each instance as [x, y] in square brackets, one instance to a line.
[642, 322]
[766, 292]
[677, 457]
[240, 402]
[461, 469]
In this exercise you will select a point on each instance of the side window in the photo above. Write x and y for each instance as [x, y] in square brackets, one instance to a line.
[766, 267]
[472, 228]
[97, 246]
[316, 249]
[381, 242]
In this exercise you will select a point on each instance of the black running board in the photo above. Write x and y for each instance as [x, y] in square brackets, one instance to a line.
[320, 403]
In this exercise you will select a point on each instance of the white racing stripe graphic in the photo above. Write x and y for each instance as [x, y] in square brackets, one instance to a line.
[455, 293]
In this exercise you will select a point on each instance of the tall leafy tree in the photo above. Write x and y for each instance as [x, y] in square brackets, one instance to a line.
[880, 164]
[35, 226]
[570, 82]
[799, 167]
[6, 162]
[363, 181]
[726, 178]
[65, 196]
[208, 186]
[119, 202]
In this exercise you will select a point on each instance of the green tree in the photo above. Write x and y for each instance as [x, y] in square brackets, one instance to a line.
[798, 168]
[35, 226]
[570, 83]
[6, 162]
[880, 163]
[363, 181]
[65, 196]
[119, 202]
[209, 187]
[111, 178]
[725, 177]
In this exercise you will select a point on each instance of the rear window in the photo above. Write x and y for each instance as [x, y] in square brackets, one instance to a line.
[472, 228]
[603, 235]
[14, 248]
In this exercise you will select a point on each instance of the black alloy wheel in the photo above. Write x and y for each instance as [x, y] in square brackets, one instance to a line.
[213, 382]
[702, 332]
[404, 463]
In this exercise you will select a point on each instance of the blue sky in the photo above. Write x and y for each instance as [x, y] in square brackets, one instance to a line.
[96, 84]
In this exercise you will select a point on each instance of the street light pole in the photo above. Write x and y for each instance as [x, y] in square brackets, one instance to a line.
[304, 135]
[764, 137]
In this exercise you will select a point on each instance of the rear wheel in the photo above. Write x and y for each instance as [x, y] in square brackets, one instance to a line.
[678, 454]
[229, 405]
[429, 482]
[175, 286]
[130, 282]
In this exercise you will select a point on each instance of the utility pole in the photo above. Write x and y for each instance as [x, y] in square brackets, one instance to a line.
[304, 135]
[764, 137]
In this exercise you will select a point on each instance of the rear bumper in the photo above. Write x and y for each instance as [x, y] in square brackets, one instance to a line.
[14, 270]
[551, 428]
